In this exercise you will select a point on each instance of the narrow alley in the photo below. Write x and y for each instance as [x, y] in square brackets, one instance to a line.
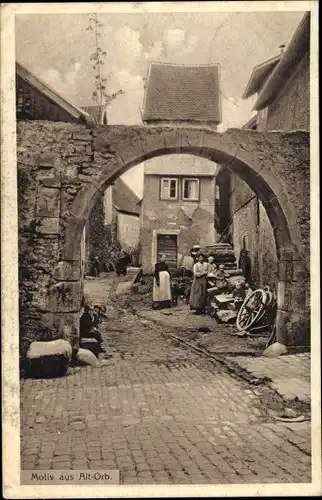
[158, 412]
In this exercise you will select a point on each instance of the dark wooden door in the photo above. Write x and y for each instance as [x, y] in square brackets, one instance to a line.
[167, 245]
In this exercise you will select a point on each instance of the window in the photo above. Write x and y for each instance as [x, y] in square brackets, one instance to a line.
[169, 189]
[190, 189]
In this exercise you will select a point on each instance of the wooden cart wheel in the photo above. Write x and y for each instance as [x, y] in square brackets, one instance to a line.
[252, 310]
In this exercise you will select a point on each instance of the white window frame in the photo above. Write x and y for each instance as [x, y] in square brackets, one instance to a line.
[198, 188]
[169, 198]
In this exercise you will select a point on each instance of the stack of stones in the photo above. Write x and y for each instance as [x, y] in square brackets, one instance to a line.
[222, 253]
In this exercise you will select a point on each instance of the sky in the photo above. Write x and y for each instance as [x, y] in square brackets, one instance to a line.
[56, 48]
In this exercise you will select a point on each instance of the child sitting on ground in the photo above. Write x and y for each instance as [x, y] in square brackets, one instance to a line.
[221, 279]
[239, 294]
[87, 328]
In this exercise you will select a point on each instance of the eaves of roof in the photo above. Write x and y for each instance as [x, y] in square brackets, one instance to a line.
[298, 46]
[126, 212]
[258, 76]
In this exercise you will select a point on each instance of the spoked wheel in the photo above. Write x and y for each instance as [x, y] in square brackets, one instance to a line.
[252, 310]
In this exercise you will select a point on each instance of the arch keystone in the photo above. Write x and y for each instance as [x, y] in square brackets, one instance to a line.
[172, 139]
[192, 139]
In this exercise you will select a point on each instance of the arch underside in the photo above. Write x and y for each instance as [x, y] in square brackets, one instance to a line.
[262, 161]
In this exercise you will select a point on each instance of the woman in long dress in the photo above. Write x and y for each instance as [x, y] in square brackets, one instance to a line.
[161, 285]
[198, 295]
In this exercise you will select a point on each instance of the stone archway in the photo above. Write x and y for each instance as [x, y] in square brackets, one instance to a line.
[65, 168]
[275, 165]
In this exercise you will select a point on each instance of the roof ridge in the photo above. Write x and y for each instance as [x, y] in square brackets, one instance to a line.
[210, 65]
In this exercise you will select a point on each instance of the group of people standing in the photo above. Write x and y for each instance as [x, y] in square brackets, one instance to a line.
[122, 260]
[205, 276]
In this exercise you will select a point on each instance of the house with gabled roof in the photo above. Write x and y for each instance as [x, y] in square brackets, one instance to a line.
[182, 95]
[118, 210]
[178, 205]
[281, 86]
[35, 100]
[122, 210]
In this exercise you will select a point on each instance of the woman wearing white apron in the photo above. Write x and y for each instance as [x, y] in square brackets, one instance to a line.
[161, 285]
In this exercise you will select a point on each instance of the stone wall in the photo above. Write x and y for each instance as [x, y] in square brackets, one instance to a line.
[251, 226]
[54, 161]
[63, 169]
[290, 110]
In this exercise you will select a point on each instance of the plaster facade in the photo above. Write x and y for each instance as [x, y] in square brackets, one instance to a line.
[190, 222]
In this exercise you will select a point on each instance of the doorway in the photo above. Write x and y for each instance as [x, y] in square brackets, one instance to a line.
[167, 244]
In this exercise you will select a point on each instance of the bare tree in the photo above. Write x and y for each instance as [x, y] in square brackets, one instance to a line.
[100, 95]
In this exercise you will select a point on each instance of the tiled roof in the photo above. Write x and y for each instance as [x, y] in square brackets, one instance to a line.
[182, 93]
[124, 199]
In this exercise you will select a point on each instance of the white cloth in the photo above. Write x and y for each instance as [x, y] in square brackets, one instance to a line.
[162, 292]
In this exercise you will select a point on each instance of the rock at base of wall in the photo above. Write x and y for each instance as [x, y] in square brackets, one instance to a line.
[48, 359]
[86, 357]
[275, 350]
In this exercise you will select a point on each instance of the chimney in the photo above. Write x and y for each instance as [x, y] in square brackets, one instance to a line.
[282, 48]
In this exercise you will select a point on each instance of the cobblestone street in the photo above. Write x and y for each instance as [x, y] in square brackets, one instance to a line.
[158, 412]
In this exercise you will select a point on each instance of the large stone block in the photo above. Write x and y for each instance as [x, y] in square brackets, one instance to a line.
[47, 160]
[64, 297]
[69, 173]
[49, 359]
[67, 271]
[212, 147]
[48, 202]
[285, 270]
[48, 225]
[82, 135]
[73, 234]
[282, 318]
[301, 271]
[50, 181]
[126, 141]
[152, 141]
[172, 139]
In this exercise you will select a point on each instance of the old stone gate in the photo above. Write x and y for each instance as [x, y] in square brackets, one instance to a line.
[63, 168]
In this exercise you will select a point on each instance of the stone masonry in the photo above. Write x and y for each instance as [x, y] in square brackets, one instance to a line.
[63, 169]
